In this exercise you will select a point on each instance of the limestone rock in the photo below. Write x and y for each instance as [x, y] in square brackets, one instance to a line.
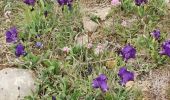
[82, 40]
[167, 1]
[102, 13]
[89, 25]
[15, 83]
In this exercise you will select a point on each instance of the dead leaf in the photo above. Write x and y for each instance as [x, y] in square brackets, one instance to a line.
[110, 64]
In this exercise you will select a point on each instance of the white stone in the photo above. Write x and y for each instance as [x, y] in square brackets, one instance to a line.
[102, 13]
[89, 25]
[167, 1]
[15, 83]
[82, 40]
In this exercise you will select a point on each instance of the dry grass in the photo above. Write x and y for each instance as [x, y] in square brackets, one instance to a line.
[90, 3]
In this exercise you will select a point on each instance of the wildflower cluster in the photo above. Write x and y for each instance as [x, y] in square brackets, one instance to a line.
[12, 37]
[102, 82]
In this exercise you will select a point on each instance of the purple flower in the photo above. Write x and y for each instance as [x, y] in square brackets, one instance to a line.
[69, 6]
[11, 35]
[29, 2]
[125, 76]
[61, 2]
[100, 82]
[156, 34]
[128, 52]
[140, 2]
[39, 44]
[65, 2]
[166, 48]
[19, 50]
[54, 98]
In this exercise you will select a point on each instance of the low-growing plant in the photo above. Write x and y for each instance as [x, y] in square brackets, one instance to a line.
[44, 38]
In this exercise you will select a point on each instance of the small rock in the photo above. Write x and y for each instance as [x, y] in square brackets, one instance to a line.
[15, 83]
[102, 13]
[129, 85]
[82, 40]
[89, 25]
[167, 1]
[168, 4]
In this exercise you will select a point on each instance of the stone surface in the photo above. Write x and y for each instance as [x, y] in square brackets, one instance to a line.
[82, 40]
[89, 25]
[102, 13]
[15, 84]
[156, 85]
[167, 1]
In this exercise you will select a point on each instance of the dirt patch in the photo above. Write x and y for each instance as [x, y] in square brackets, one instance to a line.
[155, 85]
[92, 3]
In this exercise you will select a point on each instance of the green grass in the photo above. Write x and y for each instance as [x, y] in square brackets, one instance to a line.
[65, 75]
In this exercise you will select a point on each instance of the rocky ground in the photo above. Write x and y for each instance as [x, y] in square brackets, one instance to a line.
[155, 85]
[16, 83]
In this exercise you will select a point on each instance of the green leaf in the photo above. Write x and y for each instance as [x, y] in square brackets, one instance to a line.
[51, 68]
[75, 95]
[42, 3]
